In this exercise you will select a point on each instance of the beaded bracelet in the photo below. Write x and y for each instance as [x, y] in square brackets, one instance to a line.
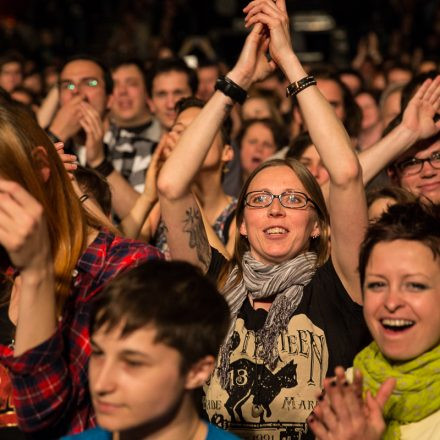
[297, 86]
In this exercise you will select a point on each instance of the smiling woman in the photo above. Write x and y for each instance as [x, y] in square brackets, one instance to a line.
[295, 312]
[400, 271]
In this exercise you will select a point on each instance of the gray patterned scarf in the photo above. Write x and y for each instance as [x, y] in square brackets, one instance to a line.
[286, 281]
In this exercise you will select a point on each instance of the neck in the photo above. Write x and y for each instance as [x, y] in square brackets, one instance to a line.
[135, 122]
[184, 424]
[210, 193]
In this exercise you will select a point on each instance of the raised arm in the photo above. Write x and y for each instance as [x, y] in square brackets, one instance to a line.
[131, 225]
[185, 232]
[347, 204]
[417, 124]
[23, 233]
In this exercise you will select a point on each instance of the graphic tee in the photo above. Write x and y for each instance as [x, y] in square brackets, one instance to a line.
[326, 330]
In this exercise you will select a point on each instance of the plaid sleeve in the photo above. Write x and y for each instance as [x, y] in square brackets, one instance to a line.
[41, 383]
[50, 388]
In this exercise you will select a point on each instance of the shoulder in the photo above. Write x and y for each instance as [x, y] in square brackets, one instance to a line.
[327, 288]
[108, 255]
[215, 433]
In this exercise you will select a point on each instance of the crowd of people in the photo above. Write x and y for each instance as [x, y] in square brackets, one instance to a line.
[247, 251]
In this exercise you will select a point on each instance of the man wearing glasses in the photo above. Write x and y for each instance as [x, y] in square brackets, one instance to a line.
[418, 171]
[84, 89]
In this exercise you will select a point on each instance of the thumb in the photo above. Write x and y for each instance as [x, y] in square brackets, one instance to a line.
[385, 391]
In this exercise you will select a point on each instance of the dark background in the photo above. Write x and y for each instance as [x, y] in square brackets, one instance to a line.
[50, 30]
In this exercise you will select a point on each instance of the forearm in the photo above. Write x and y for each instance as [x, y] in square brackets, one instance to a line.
[132, 223]
[36, 310]
[383, 152]
[124, 196]
[326, 130]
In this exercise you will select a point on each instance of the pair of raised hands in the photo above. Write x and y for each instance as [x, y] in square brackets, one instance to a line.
[342, 413]
[268, 44]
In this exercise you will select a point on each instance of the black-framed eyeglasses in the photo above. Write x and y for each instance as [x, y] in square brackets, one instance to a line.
[288, 199]
[414, 165]
[66, 84]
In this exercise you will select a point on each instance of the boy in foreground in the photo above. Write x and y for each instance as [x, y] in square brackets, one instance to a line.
[155, 334]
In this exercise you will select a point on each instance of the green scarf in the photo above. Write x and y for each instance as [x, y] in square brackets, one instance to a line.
[417, 391]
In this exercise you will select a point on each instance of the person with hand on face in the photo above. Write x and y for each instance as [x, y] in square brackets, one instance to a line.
[155, 334]
[399, 266]
[84, 89]
[411, 150]
[295, 313]
[61, 256]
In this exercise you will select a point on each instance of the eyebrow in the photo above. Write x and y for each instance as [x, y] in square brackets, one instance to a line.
[135, 353]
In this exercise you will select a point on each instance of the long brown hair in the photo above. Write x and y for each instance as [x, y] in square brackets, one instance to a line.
[67, 222]
[318, 245]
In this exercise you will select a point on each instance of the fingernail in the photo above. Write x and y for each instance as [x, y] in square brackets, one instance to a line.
[345, 383]
[321, 397]
[310, 420]
[333, 383]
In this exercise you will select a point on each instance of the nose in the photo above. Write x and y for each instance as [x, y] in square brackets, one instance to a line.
[170, 102]
[393, 299]
[102, 377]
[427, 170]
[276, 209]
[121, 89]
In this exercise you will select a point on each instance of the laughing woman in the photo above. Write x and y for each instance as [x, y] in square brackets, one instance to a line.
[399, 266]
[295, 314]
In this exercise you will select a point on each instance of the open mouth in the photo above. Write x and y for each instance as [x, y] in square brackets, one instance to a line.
[397, 325]
[256, 161]
[276, 230]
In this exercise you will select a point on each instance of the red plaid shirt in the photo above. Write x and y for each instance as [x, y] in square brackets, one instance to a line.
[50, 384]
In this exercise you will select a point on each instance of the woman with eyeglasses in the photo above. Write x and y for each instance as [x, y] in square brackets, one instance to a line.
[296, 312]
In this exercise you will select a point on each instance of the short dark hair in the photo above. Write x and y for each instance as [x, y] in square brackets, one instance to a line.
[108, 80]
[277, 131]
[12, 57]
[298, 145]
[175, 298]
[407, 221]
[93, 183]
[131, 62]
[166, 65]
[400, 195]
[191, 101]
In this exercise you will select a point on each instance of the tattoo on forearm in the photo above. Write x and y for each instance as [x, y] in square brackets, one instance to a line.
[193, 225]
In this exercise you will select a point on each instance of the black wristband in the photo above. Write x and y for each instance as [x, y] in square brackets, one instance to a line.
[105, 168]
[297, 86]
[231, 89]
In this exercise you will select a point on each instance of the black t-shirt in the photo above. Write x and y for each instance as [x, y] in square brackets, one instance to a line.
[326, 330]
